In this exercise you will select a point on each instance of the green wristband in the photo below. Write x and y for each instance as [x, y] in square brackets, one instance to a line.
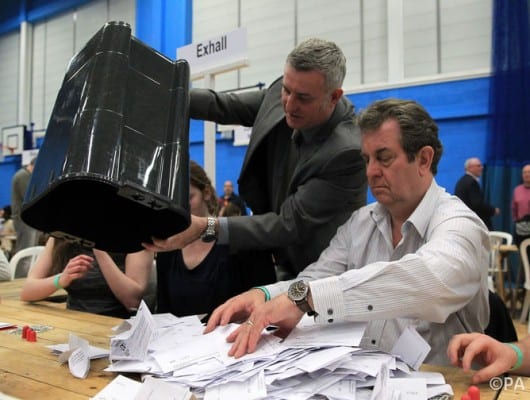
[56, 282]
[519, 353]
[264, 290]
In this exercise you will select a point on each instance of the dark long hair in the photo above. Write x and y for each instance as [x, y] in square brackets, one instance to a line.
[200, 180]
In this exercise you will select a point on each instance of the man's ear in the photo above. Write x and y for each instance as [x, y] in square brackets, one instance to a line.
[336, 95]
[425, 156]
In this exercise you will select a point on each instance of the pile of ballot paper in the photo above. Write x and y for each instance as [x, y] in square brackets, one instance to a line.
[312, 362]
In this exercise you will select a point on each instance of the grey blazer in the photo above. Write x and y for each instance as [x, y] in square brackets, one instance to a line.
[328, 182]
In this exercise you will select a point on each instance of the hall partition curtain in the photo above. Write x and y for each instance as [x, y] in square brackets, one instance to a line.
[508, 145]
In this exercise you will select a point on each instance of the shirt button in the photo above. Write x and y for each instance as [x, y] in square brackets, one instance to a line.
[374, 341]
[370, 307]
[330, 320]
[330, 311]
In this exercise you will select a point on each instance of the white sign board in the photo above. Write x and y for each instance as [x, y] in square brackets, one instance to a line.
[221, 53]
[12, 140]
[28, 155]
[242, 135]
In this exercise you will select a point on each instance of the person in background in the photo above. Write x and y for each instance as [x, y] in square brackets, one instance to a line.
[493, 356]
[302, 175]
[415, 258]
[202, 275]
[521, 207]
[8, 232]
[5, 271]
[231, 210]
[229, 197]
[26, 235]
[468, 189]
[96, 281]
[2, 218]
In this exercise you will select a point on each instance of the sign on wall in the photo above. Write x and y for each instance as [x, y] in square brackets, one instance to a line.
[218, 53]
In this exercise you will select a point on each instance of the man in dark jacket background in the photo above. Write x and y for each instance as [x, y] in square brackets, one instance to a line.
[469, 191]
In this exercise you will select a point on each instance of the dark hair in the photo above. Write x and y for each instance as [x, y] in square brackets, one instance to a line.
[7, 212]
[62, 252]
[200, 180]
[230, 210]
[320, 55]
[417, 127]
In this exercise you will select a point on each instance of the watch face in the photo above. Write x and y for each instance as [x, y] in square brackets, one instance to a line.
[297, 291]
[208, 238]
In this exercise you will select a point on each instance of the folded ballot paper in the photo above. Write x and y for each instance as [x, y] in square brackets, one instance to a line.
[78, 353]
[312, 362]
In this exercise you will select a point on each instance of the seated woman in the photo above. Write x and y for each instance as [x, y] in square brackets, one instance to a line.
[203, 275]
[95, 281]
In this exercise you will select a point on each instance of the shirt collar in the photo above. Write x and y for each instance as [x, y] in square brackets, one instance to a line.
[421, 216]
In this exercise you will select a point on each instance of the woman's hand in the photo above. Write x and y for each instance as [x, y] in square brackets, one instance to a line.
[76, 268]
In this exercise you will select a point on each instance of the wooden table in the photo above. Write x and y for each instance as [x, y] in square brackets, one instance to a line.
[29, 370]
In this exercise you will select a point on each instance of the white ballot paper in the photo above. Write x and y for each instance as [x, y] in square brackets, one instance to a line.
[78, 356]
[133, 343]
[123, 388]
[411, 347]
[120, 387]
[93, 351]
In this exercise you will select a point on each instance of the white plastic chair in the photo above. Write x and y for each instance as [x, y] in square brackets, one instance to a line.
[32, 252]
[496, 239]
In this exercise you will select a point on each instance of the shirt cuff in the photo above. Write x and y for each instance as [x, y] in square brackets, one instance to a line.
[328, 300]
[223, 236]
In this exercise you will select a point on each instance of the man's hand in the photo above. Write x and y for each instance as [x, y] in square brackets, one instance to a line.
[180, 240]
[280, 311]
[236, 308]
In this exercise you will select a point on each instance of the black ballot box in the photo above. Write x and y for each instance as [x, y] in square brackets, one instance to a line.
[113, 170]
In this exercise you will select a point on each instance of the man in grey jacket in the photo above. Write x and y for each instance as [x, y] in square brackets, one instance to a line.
[302, 175]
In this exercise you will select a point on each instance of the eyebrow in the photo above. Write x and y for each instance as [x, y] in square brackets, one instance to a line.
[378, 152]
[301, 94]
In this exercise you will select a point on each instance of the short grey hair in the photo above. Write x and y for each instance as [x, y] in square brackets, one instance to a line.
[469, 161]
[321, 55]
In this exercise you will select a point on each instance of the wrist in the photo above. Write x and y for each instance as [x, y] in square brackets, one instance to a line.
[57, 283]
[265, 292]
[519, 356]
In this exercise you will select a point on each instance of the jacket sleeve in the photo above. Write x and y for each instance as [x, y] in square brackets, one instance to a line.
[226, 108]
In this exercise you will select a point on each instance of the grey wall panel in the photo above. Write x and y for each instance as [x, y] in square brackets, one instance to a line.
[9, 71]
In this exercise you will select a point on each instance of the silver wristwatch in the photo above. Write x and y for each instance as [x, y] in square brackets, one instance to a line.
[209, 235]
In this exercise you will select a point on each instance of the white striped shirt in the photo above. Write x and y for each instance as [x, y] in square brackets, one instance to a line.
[435, 278]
